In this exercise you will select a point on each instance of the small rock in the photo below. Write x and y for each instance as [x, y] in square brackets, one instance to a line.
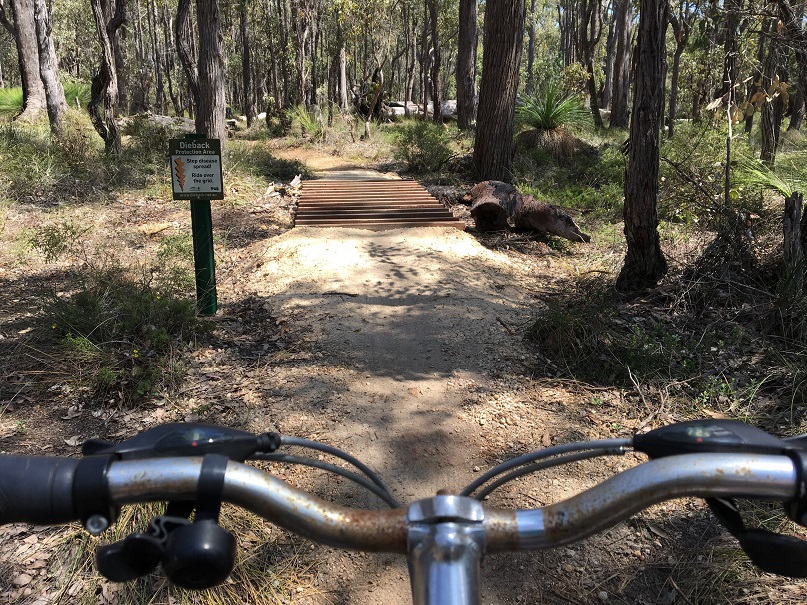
[476, 469]
[22, 580]
[602, 596]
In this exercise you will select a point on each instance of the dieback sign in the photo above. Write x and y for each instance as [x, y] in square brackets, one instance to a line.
[196, 169]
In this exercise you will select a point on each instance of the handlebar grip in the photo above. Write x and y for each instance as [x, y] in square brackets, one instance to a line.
[37, 489]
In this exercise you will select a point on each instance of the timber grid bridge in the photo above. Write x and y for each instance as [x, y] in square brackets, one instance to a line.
[375, 204]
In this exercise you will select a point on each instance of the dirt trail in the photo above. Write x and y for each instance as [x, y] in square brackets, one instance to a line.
[415, 345]
[414, 316]
[407, 327]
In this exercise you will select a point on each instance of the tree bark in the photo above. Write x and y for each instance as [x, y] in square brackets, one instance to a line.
[770, 115]
[644, 262]
[620, 114]
[503, 34]
[211, 106]
[567, 25]
[795, 234]
[530, 87]
[246, 65]
[497, 206]
[33, 91]
[797, 37]
[120, 58]
[6, 22]
[175, 95]
[183, 36]
[105, 82]
[157, 58]
[589, 33]
[437, 114]
[49, 67]
[681, 27]
[466, 63]
[610, 50]
[733, 10]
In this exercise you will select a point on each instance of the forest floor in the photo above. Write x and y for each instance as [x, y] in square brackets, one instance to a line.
[402, 347]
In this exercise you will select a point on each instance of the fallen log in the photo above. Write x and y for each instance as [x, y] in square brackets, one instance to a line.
[497, 206]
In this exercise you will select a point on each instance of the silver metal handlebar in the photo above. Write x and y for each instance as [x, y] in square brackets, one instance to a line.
[712, 475]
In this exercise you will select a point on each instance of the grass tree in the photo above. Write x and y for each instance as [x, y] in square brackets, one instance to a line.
[547, 117]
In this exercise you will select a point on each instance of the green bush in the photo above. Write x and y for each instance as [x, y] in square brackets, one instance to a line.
[310, 123]
[124, 333]
[551, 108]
[74, 91]
[424, 146]
[41, 169]
[55, 241]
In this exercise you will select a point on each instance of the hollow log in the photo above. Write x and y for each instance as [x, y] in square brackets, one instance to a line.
[497, 206]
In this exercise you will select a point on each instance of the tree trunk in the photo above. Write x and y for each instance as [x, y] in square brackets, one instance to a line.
[497, 206]
[157, 58]
[530, 87]
[795, 233]
[378, 81]
[466, 63]
[303, 31]
[503, 34]
[33, 92]
[105, 82]
[49, 67]
[771, 115]
[246, 65]
[6, 22]
[792, 19]
[680, 24]
[120, 58]
[567, 26]
[211, 106]
[437, 116]
[733, 10]
[176, 98]
[183, 37]
[644, 262]
[620, 114]
[610, 50]
[589, 32]
[425, 64]
[343, 100]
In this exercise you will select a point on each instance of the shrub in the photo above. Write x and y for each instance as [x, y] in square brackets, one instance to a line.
[310, 122]
[424, 146]
[123, 333]
[550, 109]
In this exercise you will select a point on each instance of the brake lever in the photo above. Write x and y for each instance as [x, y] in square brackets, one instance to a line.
[186, 439]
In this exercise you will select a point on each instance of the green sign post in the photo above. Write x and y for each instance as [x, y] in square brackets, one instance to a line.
[196, 176]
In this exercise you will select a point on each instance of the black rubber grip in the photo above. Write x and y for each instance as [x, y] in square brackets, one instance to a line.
[36, 489]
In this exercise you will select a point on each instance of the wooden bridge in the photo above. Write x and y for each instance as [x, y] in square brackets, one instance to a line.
[371, 204]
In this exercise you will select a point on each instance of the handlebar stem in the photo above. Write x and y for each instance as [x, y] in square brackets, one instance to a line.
[446, 541]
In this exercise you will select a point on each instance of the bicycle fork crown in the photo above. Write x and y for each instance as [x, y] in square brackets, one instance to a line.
[446, 544]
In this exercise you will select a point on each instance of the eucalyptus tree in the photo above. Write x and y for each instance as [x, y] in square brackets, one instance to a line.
[795, 31]
[623, 18]
[108, 20]
[24, 29]
[589, 32]
[501, 57]
[205, 74]
[681, 20]
[49, 66]
[644, 263]
[466, 60]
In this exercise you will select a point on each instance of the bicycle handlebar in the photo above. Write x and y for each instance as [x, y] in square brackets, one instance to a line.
[45, 492]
